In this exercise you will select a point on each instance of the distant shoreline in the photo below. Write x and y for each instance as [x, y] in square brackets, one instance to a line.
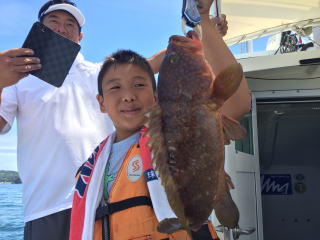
[9, 177]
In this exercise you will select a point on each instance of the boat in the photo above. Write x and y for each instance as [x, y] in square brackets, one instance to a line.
[276, 168]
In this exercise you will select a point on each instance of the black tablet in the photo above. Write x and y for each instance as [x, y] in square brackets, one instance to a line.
[56, 53]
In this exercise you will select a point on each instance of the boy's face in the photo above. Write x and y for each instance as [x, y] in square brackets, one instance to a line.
[127, 96]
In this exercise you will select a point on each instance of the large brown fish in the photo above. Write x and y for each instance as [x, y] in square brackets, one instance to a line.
[188, 133]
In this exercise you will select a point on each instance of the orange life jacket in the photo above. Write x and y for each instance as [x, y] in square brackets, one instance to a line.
[137, 222]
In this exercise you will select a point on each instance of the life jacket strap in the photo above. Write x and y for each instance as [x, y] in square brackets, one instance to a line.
[111, 208]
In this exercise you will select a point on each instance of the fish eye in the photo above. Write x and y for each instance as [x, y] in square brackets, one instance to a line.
[173, 57]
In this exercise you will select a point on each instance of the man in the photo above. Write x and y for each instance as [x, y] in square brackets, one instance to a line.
[59, 127]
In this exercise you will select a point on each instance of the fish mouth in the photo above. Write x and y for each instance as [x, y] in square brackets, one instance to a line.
[193, 35]
[191, 41]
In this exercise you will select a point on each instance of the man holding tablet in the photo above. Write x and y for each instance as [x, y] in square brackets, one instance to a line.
[57, 127]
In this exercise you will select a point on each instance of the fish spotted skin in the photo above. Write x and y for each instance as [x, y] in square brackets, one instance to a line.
[188, 133]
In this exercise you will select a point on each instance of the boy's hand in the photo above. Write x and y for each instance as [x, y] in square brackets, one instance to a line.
[156, 60]
[13, 66]
[221, 24]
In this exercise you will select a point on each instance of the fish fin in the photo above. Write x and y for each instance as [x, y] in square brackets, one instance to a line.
[226, 83]
[163, 166]
[157, 144]
[212, 106]
[229, 182]
[232, 129]
[227, 212]
[169, 225]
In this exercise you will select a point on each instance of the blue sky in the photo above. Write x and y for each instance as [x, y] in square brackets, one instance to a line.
[141, 25]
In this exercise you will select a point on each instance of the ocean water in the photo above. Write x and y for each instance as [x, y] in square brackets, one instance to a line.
[11, 212]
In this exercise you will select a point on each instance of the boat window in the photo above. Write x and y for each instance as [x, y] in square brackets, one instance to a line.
[246, 145]
[288, 132]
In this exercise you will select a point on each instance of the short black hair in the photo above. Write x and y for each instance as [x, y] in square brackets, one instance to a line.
[45, 7]
[125, 57]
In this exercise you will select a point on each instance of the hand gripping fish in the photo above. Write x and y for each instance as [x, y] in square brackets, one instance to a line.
[188, 133]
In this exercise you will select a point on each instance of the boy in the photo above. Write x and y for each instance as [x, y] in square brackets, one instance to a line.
[127, 90]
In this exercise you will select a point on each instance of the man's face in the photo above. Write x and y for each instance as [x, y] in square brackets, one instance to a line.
[127, 96]
[64, 24]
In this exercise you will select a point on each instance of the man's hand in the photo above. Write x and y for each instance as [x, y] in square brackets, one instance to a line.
[13, 66]
[221, 24]
[204, 6]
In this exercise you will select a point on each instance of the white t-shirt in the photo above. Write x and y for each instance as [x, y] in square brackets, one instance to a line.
[58, 128]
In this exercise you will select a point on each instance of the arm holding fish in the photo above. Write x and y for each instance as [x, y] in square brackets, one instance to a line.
[220, 23]
[221, 26]
[239, 103]
[220, 57]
